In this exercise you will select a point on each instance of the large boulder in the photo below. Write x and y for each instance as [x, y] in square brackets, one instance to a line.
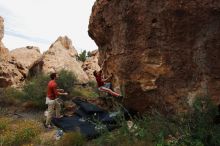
[15, 65]
[4, 53]
[27, 56]
[91, 64]
[162, 53]
[62, 55]
[9, 73]
[1, 28]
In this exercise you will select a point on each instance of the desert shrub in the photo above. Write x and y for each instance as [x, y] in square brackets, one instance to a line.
[195, 128]
[89, 54]
[19, 132]
[11, 96]
[72, 139]
[82, 56]
[92, 84]
[83, 92]
[198, 125]
[35, 90]
[66, 80]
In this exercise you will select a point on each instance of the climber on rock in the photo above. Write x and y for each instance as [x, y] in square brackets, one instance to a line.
[103, 85]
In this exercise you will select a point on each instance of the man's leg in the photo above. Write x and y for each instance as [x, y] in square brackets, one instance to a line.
[109, 91]
[51, 106]
[58, 108]
[108, 85]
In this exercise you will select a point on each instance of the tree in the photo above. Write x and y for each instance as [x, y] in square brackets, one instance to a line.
[89, 54]
[82, 56]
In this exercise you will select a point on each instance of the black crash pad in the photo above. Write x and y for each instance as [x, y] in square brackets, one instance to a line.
[90, 120]
[87, 107]
[77, 123]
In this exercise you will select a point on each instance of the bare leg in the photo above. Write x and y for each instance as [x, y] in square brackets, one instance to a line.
[109, 91]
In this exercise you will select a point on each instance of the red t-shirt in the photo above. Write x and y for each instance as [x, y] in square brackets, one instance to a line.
[99, 80]
[52, 90]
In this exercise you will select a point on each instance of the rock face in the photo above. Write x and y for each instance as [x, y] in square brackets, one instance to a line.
[27, 57]
[162, 53]
[4, 53]
[15, 65]
[10, 70]
[1, 28]
[91, 64]
[9, 74]
[62, 55]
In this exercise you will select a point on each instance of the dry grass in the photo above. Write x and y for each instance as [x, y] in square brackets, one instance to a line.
[15, 133]
[72, 139]
[86, 92]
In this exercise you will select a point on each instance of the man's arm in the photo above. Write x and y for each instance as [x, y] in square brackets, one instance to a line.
[60, 90]
[102, 66]
[106, 79]
[63, 93]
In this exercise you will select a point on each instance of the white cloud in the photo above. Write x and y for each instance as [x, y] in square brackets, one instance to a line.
[43, 21]
[20, 42]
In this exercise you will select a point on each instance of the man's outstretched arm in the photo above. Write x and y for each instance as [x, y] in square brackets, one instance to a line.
[106, 79]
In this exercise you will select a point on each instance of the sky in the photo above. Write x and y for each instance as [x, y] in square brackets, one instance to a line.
[40, 22]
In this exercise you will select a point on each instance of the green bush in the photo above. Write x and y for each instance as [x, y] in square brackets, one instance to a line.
[66, 80]
[82, 56]
[35, 90]
[89, 54]
[198, 125]
[195, 128]
[11, 96]
[92, 84]
[83, 92]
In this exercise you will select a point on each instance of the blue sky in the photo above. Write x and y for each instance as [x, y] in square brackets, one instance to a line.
[41, 22]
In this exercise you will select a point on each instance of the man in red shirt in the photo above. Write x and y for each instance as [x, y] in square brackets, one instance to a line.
[52, 99]
[103, 86]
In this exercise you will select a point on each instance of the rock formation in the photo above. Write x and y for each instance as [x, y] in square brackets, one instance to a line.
[15, 65]
[1, 28]
[62, 55]
[27, 57]
[91, 64]
[4, 53]
[9, 74]
[162, 53]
